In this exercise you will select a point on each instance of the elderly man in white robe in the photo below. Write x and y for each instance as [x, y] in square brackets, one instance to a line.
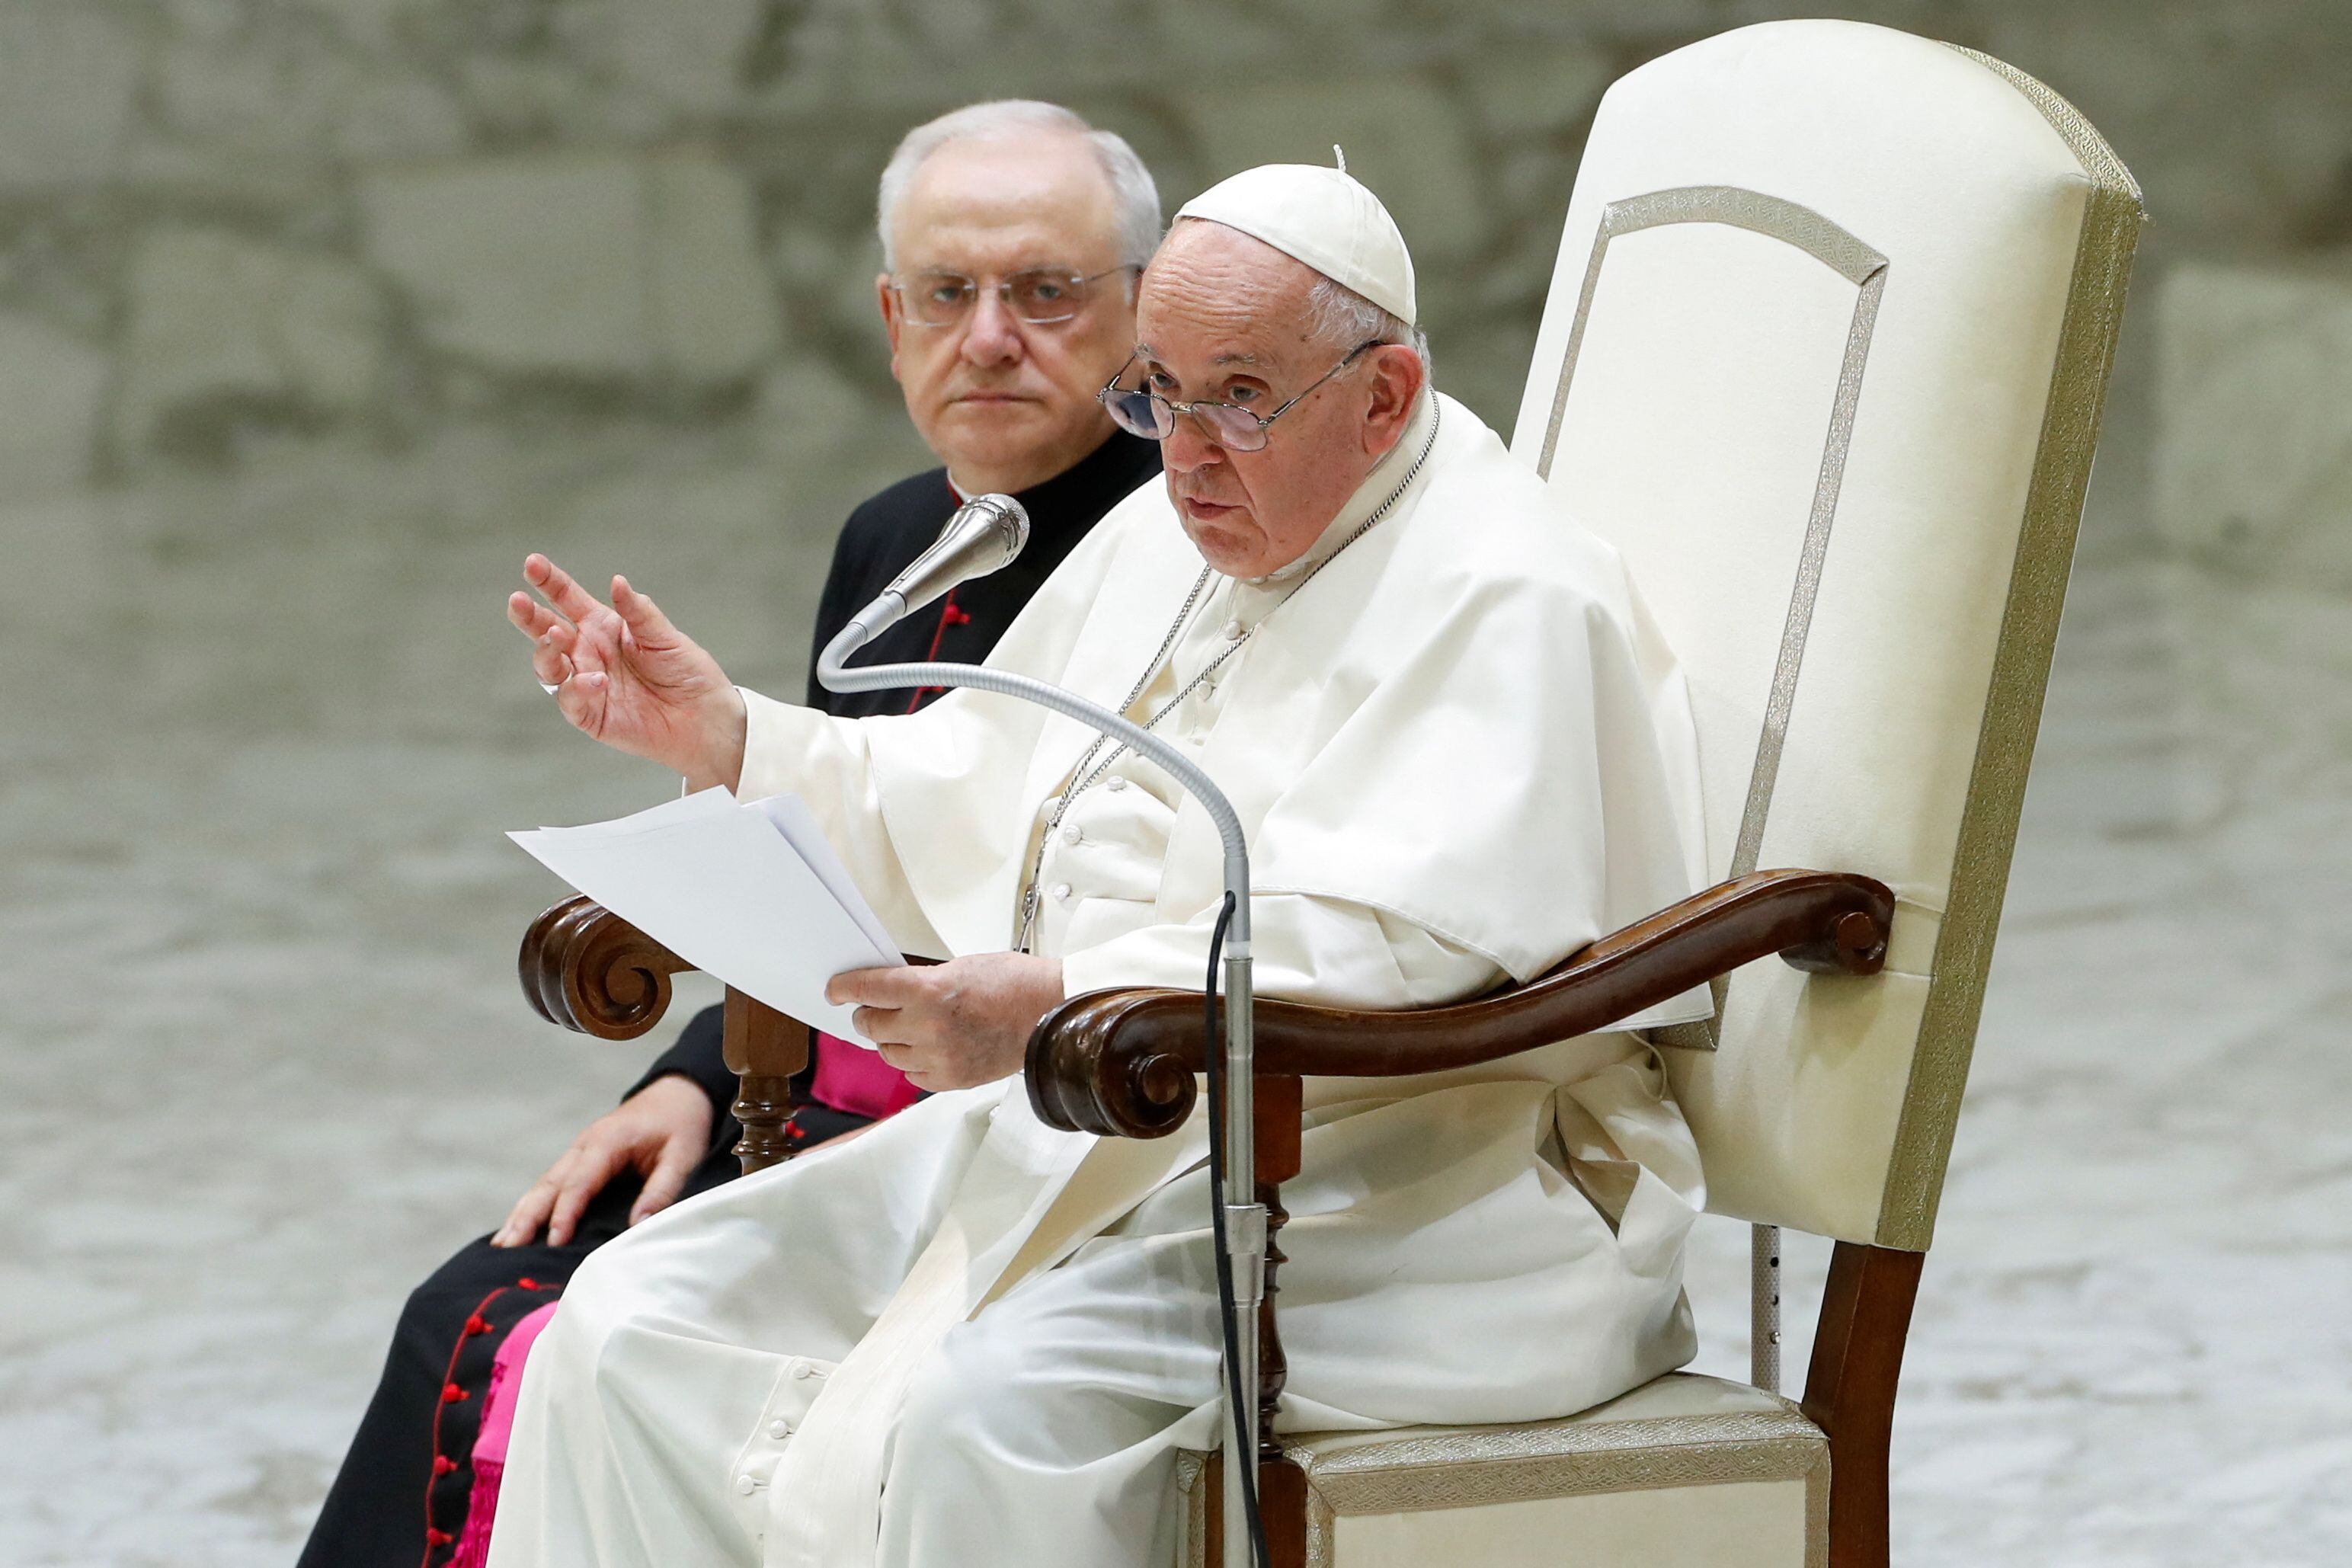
[1459, 752]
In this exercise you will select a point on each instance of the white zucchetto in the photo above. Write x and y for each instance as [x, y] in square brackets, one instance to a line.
[1324, 217]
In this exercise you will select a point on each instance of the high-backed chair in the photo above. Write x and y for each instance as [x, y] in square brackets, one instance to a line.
[1824, 357]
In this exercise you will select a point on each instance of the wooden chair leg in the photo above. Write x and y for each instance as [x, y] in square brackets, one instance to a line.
[766, 1049]
[1850, 1389]
[1281, 1485]
[1281, 1502]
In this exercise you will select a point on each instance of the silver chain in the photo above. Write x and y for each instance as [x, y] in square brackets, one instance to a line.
[1088, 770]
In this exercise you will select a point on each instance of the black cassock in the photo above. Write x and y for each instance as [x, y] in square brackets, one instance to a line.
[401, 1497]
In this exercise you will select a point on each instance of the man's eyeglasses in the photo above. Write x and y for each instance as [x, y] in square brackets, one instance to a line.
[1041, 296]
[1147, 414]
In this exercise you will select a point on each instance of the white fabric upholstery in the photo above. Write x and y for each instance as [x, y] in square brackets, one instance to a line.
[1773, 233]
[1739, 1524]
[1686, 1470]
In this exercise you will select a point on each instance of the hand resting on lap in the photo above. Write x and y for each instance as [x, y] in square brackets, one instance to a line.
[662, 1132]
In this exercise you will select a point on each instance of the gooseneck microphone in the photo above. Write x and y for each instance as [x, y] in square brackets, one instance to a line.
[983, 535]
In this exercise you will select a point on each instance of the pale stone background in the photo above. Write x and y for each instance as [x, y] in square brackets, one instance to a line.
[316, 314]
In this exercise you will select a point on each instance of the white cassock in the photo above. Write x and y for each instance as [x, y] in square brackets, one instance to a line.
[1459, 752]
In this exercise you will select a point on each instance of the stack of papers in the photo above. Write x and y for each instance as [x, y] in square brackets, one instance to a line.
[749, 892]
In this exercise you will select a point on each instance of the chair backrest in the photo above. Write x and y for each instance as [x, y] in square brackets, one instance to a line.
[1824, 355]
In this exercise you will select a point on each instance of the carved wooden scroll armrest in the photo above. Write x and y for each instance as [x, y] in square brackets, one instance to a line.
[1122, 1063]
[586, 968]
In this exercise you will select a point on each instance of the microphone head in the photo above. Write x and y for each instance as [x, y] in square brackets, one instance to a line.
[984, 534]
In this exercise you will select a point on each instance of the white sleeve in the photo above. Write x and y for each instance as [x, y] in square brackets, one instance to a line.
[826, 762]
[1328, 951]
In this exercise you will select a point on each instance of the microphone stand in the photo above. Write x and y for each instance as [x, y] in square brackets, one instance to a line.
[1244, 1223]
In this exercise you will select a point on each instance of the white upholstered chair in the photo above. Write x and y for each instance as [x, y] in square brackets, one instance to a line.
[1824, 357]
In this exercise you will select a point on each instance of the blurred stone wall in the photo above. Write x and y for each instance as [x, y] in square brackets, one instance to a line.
[224, 220]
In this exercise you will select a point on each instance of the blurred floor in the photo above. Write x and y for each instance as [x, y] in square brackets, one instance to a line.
[264, 1062]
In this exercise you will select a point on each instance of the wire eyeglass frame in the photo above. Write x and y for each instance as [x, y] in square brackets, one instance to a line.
[1139, 410]
[1007, 291]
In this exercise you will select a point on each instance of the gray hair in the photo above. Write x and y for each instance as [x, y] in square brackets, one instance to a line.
[1135, 199]
[1343, 318]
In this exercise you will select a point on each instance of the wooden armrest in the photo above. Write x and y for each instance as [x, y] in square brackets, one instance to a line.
[1122, 1063]
[584, 967]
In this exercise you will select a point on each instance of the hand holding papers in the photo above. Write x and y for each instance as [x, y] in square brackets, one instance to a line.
[747, 892]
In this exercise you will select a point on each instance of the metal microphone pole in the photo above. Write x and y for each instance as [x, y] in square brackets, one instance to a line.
[1244, 1221]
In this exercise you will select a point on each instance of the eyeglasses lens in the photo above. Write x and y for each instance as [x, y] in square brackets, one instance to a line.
[1233, 429]
[1139, 414]
[1043, 296]
[937, 299]
[1149, 417]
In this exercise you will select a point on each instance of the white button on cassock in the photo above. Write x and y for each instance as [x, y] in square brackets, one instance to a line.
[746, 1485]
[1115, 781]
[803, 1370]
[780, 1428]
[1071, 834]
[1233, 631]
[1062, 890]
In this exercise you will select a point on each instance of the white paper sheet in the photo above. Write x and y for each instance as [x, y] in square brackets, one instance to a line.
[797, 823]
[749, 892]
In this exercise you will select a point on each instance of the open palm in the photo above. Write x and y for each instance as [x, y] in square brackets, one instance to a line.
[627, 677]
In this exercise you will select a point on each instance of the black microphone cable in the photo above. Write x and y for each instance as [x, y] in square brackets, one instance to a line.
[1244, 1409]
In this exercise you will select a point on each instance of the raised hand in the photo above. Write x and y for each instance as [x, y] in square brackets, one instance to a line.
[952, 1025]
[627, 677]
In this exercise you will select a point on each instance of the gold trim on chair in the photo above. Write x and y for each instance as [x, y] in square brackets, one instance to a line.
[1865, 268]
[2112, 215]
[1474, 1467]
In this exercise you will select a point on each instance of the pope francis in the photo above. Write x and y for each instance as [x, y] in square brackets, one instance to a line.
[1460, 751]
